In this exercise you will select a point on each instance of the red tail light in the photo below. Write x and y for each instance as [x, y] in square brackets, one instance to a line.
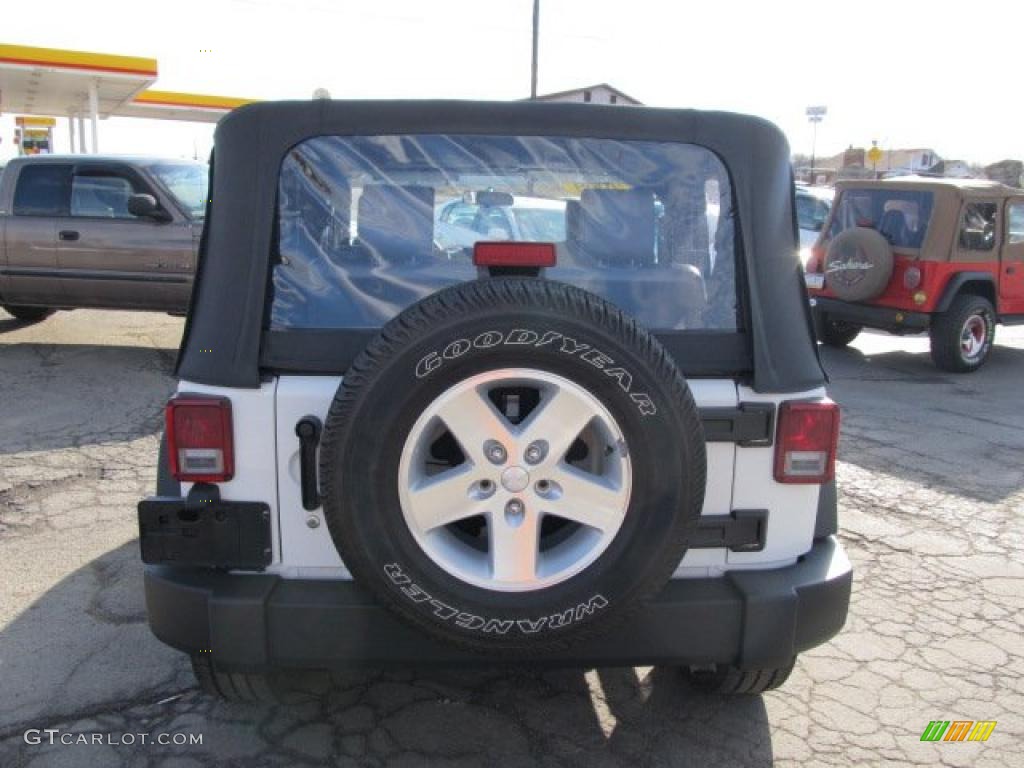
[200, 444]
[805, 448]
[486, 254]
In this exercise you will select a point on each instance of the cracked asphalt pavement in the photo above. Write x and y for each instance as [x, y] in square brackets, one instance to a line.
[931, 494]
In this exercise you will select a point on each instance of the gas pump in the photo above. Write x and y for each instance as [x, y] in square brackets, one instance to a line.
[34, 135]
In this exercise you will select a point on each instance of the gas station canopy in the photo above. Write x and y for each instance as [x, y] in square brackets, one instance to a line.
[81, 84]
[47, 81]
[168, 105]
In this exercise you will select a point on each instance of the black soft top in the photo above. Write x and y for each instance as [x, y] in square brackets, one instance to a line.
[224, 335]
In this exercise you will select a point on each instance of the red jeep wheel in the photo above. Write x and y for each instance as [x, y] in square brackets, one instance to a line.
[962, 336]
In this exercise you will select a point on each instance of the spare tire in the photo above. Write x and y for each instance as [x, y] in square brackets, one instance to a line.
[858, 264]
[513, 465]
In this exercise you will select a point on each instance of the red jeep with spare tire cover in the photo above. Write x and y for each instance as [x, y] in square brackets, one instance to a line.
[916, 254]
[407, 431]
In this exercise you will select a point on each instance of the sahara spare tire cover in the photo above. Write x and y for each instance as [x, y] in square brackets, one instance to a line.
[858, 264]
[512, 465]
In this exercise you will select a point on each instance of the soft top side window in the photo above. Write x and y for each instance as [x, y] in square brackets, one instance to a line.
[1015, 221]
[978, 226]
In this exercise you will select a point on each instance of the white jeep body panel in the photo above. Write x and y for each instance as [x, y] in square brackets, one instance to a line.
[267, 469]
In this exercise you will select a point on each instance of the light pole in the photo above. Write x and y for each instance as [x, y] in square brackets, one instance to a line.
[536, 30]
[815, 115]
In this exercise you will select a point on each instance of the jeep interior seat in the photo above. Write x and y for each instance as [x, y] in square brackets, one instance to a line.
[893, 227]
[616, 227]
[615, 235]
[396, 224]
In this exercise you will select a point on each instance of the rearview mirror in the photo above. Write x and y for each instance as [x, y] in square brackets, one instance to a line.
[146, 206]
[493, 199]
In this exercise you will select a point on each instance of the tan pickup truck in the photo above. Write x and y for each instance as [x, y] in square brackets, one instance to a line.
[95, 231]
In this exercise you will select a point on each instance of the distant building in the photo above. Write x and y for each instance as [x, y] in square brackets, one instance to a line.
[602, 93]
[854, 157]
[1008, 172]
[853, 163]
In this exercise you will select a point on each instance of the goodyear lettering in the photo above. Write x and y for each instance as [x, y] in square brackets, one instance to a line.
[457, 348]
[525, 337]
[522, 337]
[488, 339]
[570, 347]
[624, 377]
[643, 403]
[547, 338]
[427, 364]
[596, 358]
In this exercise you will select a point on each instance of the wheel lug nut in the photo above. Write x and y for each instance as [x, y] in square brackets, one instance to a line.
[495, 452]
[536, 451]
[514, 507]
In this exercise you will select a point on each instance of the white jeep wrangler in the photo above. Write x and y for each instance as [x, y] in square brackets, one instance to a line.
[612, 446]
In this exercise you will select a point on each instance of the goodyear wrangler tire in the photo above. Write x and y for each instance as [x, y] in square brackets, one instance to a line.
[513, 465]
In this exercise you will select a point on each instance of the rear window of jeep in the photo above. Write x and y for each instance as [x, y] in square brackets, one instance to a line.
[900, 216]
[368, 225]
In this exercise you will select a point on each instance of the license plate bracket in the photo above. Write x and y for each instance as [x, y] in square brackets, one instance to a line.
[213, 534]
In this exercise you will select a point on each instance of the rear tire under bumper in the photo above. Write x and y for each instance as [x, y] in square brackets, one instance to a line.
[751, 619]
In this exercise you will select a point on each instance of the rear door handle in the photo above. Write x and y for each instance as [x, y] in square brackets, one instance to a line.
[67, 234]
[308, 430]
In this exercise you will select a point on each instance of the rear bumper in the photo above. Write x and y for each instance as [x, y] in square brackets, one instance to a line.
[872, 316]
[252, 622]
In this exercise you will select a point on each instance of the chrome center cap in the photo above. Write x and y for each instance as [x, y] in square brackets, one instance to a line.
[515, 479]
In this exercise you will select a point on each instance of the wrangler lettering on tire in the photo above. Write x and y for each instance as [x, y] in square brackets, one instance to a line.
[492, 473]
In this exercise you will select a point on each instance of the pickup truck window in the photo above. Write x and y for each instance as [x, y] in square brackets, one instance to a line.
[42, 190]
[103, 196]
[187, 182]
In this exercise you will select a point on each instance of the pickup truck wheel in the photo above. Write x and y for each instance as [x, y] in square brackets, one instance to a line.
[962, 336]
[513, 465]
[836, 333]
[28, 314]
[727, 680]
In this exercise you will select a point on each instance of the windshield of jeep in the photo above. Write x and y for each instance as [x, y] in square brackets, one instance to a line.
[368, 225]
[899, 215]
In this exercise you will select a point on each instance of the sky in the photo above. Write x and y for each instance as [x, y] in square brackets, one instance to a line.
[902, 72]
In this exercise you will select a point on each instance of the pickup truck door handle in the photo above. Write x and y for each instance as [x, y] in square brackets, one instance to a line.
[67, 234]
